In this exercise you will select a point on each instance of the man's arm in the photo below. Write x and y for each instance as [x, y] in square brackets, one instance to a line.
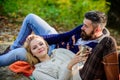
[56, 38]
[110, 60]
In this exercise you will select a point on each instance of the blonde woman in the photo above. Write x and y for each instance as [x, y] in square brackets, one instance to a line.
[57, 67]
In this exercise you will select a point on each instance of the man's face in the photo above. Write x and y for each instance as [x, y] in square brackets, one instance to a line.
[87, 30]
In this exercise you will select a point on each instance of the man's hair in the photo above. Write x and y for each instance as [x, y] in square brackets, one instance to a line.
[97, 18]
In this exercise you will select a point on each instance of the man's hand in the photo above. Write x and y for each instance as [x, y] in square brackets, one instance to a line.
[30, 37]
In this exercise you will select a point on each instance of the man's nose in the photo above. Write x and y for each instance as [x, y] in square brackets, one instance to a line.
[82, 27]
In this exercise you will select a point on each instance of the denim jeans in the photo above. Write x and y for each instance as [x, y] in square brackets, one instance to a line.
[31, 23]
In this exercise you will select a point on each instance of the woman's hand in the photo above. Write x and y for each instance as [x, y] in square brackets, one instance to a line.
[81, 55]
[75, 60]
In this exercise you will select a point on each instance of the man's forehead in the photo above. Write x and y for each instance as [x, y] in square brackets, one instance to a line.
[87, 22]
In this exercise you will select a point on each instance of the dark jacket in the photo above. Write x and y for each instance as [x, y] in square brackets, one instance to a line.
[94, 68]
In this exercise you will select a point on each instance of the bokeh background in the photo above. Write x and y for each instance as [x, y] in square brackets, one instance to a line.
[63, 15]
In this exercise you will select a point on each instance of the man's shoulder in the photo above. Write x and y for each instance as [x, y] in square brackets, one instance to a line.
[109, 42]
[109, 38]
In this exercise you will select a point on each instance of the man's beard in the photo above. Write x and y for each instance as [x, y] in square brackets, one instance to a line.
[85, 36]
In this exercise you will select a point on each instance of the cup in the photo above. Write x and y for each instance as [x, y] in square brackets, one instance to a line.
[83, 50]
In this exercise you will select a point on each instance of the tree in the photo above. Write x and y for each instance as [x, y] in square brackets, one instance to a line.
[114, 14]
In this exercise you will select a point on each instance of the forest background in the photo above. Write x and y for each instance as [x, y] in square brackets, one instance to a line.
[63, 15]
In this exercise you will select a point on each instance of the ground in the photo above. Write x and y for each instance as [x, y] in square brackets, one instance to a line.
[6, 74]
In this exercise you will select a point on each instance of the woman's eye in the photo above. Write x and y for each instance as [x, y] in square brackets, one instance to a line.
[34, 47]
[40, 44]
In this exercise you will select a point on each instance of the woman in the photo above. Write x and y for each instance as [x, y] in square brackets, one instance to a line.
[54, 67]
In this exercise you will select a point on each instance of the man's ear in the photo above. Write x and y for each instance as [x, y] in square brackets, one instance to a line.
[98, 29]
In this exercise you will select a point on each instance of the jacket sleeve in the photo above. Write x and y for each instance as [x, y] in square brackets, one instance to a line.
[110, 60]
[56, 38]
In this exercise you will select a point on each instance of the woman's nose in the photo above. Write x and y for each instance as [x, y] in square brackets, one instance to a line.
[39, 47]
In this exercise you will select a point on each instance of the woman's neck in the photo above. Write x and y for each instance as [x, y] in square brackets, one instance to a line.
[44, 58]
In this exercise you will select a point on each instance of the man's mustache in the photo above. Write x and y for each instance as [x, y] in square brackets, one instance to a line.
[83, 32]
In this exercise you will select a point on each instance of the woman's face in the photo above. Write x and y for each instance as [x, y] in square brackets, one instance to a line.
[38, 47]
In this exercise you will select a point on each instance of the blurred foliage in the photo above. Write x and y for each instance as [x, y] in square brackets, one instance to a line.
[114, 14]
[61, 14]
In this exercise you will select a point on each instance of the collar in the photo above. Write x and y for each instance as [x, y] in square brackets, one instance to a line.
[84, 42]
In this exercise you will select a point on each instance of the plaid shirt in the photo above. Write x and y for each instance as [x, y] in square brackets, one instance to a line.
[93, 68]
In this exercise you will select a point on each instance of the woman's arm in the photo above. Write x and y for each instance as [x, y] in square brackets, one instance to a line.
[76, 59]
[70, 73]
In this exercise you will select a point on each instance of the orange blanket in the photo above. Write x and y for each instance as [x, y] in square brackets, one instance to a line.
[22, 67]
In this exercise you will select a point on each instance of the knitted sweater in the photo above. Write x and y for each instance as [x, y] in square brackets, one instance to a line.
[69, 39]
[56, 67]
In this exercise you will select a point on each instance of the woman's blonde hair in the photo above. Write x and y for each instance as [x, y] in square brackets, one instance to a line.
[30, 58]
